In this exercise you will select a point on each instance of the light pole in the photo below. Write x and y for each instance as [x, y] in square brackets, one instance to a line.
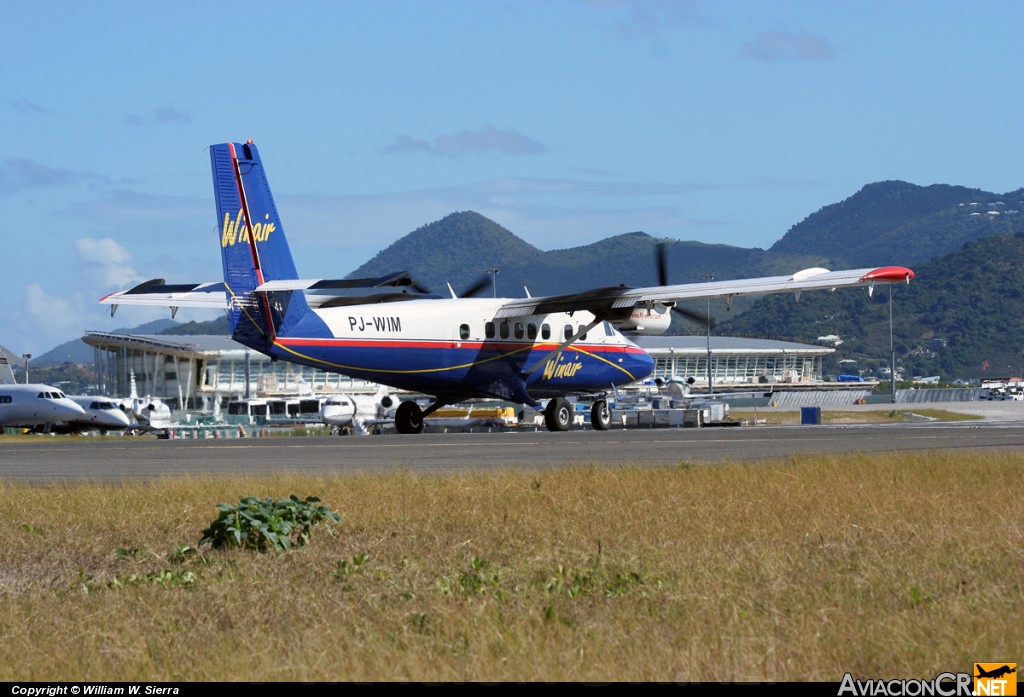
[708, 277]
[892, 352]
[26, 356]
[494, 270]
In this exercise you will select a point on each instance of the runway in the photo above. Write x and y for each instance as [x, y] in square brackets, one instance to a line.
[38, 460]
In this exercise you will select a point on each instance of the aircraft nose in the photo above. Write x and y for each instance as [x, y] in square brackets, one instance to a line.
[68, 409]
[642, 365]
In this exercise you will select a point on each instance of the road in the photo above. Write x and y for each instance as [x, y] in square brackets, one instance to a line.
[36, 459]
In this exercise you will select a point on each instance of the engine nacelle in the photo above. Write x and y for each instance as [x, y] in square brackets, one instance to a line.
[646, 320]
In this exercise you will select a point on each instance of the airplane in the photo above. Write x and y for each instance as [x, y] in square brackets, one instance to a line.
[357, 411]
[388, 330]
[36, 406]
[59, 416]
[148, 412]
[101, 412]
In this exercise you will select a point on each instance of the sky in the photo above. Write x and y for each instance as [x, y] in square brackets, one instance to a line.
[565, 121]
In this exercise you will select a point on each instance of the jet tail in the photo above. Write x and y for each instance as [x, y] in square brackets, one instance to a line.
[6, 373]
[254, 249]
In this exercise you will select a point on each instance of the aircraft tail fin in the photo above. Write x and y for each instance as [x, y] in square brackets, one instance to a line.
[6, 373]
[253, 248]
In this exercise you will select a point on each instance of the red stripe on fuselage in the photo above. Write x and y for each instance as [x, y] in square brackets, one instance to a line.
[450, 344]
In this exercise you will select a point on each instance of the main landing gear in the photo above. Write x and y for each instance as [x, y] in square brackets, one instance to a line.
[409, 418]
[600, 415]
[558, 415]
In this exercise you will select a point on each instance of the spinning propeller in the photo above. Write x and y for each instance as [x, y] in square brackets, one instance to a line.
[661, 255]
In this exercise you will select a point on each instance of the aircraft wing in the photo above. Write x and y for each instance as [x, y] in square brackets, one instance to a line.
[614, 300]
[214, 295]
[158, 293]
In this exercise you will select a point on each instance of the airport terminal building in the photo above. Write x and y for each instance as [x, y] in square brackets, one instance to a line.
[735, 362]
[191, 372]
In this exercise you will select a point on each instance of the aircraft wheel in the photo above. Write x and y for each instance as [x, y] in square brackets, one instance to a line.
[600, 415]
[558, 415]
[409, 418]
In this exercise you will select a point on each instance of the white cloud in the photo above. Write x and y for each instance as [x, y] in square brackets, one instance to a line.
[507, 141]
[772, 46]
[21, 174]
[164, 114]
[26, 106]
[104, 262]
[650, 19]
[46, 320]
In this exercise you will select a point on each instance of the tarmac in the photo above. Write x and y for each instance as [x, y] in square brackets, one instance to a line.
[983, 409]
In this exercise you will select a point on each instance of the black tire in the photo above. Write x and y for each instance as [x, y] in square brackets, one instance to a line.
[409, 418]
[558, 415]
[600, 415]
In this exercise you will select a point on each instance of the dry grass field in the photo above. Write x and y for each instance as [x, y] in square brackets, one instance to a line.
[884, 566]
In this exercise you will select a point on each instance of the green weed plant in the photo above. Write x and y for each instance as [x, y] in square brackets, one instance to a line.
[263, 524]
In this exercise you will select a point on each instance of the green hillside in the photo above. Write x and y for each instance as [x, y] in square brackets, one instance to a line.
[894, 220]
[962, 316]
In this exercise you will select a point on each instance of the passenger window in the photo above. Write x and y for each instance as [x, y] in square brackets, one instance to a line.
[531, 331]
[463, 331]
[545, 331]
[489, 330]
[568, 331]
[503, 330]
[519, 330]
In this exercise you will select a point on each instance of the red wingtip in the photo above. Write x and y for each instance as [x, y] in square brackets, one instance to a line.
[888, 273]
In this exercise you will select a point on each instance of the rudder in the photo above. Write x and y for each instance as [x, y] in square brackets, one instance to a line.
[254, 249]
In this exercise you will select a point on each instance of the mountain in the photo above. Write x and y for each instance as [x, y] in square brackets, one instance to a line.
[894, 220]
[457, 249]
[462, 247]
[962, 315]
[77, 351]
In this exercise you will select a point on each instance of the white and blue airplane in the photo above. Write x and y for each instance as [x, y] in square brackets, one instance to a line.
[386, 330]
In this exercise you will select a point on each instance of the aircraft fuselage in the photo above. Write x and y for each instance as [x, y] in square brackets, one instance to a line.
[457, 346]
[36, 405]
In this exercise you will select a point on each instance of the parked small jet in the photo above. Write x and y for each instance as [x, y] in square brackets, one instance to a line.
[388, 331]
[147, 412]
[358, 411]
[36, 406]
[102, 413]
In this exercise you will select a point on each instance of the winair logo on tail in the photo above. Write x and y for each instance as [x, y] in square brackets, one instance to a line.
[555, 369]
[234, 231]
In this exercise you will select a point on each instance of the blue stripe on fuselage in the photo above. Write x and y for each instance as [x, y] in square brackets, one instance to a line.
[434, 367]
